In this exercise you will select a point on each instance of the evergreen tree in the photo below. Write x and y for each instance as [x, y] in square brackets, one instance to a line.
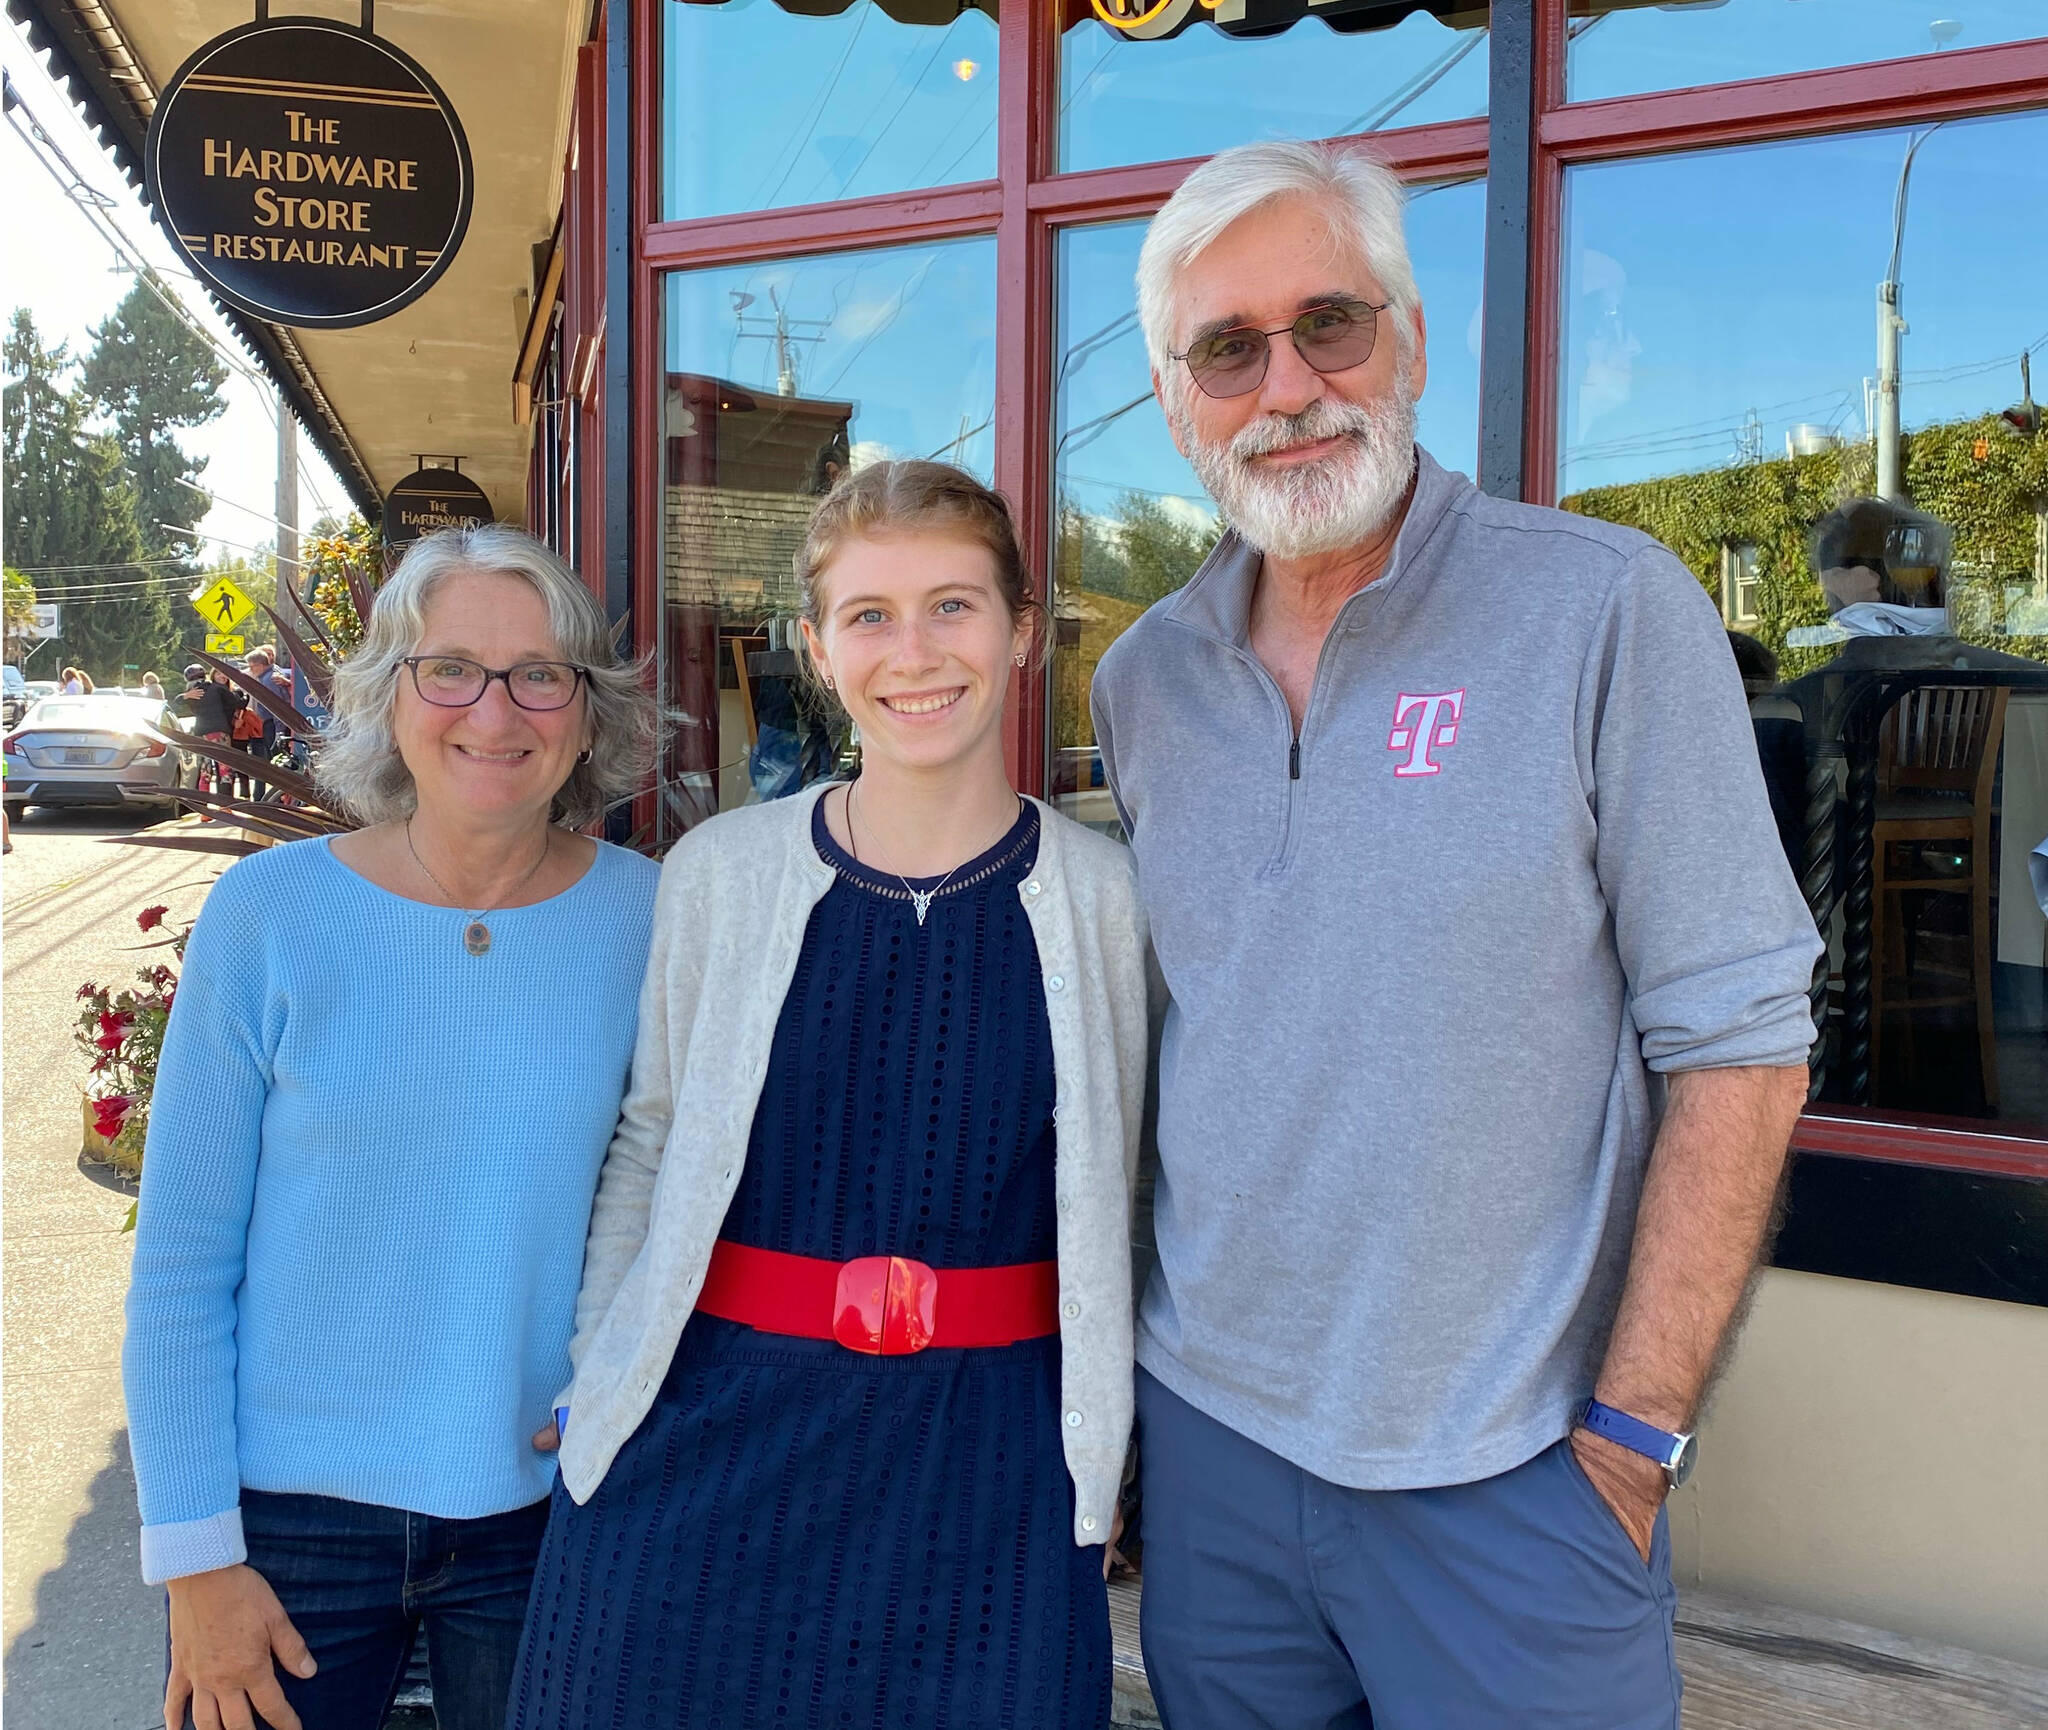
[152, 373]
[70, 519]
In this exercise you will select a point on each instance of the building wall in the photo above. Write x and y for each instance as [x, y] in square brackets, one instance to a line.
[1878, 1454]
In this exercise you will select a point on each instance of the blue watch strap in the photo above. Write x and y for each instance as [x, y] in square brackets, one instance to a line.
[1633, 1434]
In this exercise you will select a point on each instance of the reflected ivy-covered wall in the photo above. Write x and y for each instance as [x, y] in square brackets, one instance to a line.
[1986, 483]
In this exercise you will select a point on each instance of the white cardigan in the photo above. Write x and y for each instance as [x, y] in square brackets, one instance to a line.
[729, 919]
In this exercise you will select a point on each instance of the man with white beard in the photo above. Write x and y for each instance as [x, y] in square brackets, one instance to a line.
[1488, 1020]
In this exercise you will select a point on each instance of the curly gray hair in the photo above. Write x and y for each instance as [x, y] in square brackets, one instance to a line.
[358, 762]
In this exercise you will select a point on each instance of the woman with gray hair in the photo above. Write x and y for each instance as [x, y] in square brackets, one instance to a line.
[386, 1089]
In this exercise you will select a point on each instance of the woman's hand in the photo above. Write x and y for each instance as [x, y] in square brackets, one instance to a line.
[1112, 1557]
[547, 1438]
[226, 1627]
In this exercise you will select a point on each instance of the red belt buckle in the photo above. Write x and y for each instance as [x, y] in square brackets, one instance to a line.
[885, 1305]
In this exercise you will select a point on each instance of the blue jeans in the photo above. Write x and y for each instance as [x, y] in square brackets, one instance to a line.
[358, 1581]
[1277, 1601]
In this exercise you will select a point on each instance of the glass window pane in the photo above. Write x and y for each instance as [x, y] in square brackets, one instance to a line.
[1193, 80]
[766, 105]
[1874, 528]
[1622, 47]
[1132, 522]
[781, 377]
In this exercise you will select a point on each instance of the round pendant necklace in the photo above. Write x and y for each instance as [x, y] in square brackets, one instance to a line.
[476, 935]
[920, 899]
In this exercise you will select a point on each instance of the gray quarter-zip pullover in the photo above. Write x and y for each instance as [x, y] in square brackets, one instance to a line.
[1423, 961]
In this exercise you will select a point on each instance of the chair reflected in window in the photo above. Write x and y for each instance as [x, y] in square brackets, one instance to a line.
[1931, 893]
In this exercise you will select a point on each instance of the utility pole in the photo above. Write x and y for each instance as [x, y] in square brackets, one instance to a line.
[287, 507]
[781, 332]
[1891, 482]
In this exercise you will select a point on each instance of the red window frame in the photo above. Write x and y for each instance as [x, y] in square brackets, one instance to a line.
[1028, 203]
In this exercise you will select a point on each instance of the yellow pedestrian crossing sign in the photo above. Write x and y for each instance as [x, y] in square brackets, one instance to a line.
[222, 605]
[219, 644]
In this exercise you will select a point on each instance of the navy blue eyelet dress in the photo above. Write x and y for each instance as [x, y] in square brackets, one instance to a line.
[798, 1534]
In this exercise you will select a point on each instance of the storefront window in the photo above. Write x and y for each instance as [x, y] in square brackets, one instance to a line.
[782, 377]
[767, 103]
[1866, 512]
[1622, 47]
[1185, 78]
[1131, 522]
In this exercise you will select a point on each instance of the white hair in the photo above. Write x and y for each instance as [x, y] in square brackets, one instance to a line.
[1358, 195]
[358, 760]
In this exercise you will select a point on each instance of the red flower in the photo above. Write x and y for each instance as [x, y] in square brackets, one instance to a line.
[114, 1027]
[87, 991]
[151, 917]
[109, 1113]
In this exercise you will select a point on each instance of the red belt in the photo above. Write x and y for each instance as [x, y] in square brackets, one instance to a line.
[884, 1305]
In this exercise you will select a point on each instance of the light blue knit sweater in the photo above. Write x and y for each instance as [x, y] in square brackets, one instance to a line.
[369, 1172]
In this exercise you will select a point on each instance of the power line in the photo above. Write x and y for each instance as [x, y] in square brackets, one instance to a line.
[154, 584]
[97, 208]
[111, 565]
[246, 510]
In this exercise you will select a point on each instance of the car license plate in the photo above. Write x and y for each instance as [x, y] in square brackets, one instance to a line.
[88, 758]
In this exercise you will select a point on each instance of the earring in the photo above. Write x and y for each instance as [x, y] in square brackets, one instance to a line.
[829, 685]
[1020, 660]
[583, 756]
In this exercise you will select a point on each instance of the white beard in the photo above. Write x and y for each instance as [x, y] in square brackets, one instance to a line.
[1320, 507]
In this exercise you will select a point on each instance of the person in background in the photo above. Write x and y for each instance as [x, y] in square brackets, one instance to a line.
[853, 1379]
[153, 688]
[386, 1089]
[1780, 729]
[73, 683]
[1472, 1104]
[213, 703]
[262, 666]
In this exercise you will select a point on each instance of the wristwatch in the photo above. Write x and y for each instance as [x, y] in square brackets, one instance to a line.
[1677, 1454]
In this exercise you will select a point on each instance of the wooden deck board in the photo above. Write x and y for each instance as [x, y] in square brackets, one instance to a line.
[1750, 1666]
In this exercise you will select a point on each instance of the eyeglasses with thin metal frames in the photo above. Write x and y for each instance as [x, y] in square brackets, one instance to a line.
[1338, 350]
[484, 675]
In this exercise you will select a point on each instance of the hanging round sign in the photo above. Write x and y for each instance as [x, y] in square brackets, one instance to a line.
[310, 173]
[430, 499]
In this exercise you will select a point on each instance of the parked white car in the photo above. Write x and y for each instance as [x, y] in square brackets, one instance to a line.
[92, 751]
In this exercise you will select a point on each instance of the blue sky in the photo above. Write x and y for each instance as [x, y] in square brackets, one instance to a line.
[766, 107]
[1665, 47]
[1702, 286]
[910, 339]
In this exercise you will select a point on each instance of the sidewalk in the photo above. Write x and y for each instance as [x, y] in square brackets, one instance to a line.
[83, 1636]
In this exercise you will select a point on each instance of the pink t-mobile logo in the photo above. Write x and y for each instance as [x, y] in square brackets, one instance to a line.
[1423, 722]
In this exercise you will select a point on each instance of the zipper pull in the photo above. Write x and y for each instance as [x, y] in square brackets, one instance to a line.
[1294, 760]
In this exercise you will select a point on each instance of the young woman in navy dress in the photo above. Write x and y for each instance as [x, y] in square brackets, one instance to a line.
[853, 1382]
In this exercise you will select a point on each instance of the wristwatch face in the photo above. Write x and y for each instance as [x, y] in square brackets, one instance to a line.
[1688, 1457]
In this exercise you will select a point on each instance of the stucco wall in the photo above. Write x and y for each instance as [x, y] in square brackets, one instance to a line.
[1880, 1455]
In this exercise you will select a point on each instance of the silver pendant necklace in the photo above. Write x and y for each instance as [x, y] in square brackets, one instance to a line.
[476, 935]
[920, 899]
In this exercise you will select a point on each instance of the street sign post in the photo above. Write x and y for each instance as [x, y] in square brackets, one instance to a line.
[222, 605]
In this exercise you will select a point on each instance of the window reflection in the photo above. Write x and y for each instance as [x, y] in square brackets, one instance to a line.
[768, 103]
[1193, 79]
[780, 378]
[1874, 527]
[1131, 521]
[1622, 47]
